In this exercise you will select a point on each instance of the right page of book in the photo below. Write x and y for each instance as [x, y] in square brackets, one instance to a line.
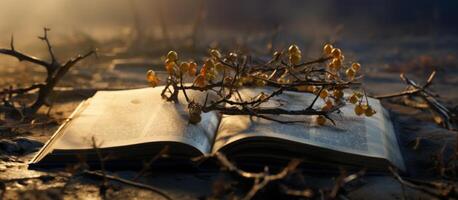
[367, 136]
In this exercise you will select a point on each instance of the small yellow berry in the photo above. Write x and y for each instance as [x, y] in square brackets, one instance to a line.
[184, 67]
[295, 59]
[350, 73]
[276, 54]
[215, 53]
[336, 53]
[336, 62]
[306, 88]
[332, 66]
[168, 61]
[192, 68]
[172, 56]
[359, 110]
[301, 88]
[353, 99]
[369, 111]
[294, 49]
[194, 119]
[232, 57]
[338, 94]
[320, 120]
[358, 94]
[323, 94]
[327, 49]
[329, 103]
[170, 68]
[211, 74]
[152, 78]
[356, 66]
[199, 81]
[311, 88]
[209, 64]
[327, 106]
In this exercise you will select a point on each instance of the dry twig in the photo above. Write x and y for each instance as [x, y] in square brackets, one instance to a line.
[148, 164]
[441, 114]
[55, 71]
[441, 190]
[261, 179]
[104, 175]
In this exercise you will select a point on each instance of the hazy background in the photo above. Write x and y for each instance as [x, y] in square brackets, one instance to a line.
[391, 35]
[104, 19]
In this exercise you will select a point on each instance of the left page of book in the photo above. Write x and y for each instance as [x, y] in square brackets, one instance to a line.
[128, 117]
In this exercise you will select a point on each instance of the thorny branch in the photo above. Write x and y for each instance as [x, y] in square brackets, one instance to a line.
[441, 114]
[55, 71]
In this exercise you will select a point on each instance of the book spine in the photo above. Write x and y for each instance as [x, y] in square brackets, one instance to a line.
[44, 150]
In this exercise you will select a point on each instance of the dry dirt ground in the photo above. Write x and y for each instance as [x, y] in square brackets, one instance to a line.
[383, 60]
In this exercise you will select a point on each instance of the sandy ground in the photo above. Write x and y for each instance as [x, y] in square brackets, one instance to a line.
[383, 60]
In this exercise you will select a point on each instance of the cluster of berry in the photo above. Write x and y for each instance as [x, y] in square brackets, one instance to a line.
[283, 71]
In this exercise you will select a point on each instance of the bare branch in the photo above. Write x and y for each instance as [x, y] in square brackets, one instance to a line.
[128, 182]
[48, 44]
[307, 193]
[22, 90]
[442, 191]
[432, 103]
[23, 57]
[12, 43]
[261, 179]
[147, 165]
[397, 94]
[55, 71]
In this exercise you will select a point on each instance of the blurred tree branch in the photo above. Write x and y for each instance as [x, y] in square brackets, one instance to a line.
[55, 71]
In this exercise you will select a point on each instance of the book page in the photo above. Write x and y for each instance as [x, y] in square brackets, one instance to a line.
[118, 118]
[366, 136]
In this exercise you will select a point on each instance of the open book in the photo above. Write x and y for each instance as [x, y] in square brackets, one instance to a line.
[135, 124]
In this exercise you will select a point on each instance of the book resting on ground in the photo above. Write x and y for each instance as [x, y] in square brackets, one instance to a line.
[134, 125]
